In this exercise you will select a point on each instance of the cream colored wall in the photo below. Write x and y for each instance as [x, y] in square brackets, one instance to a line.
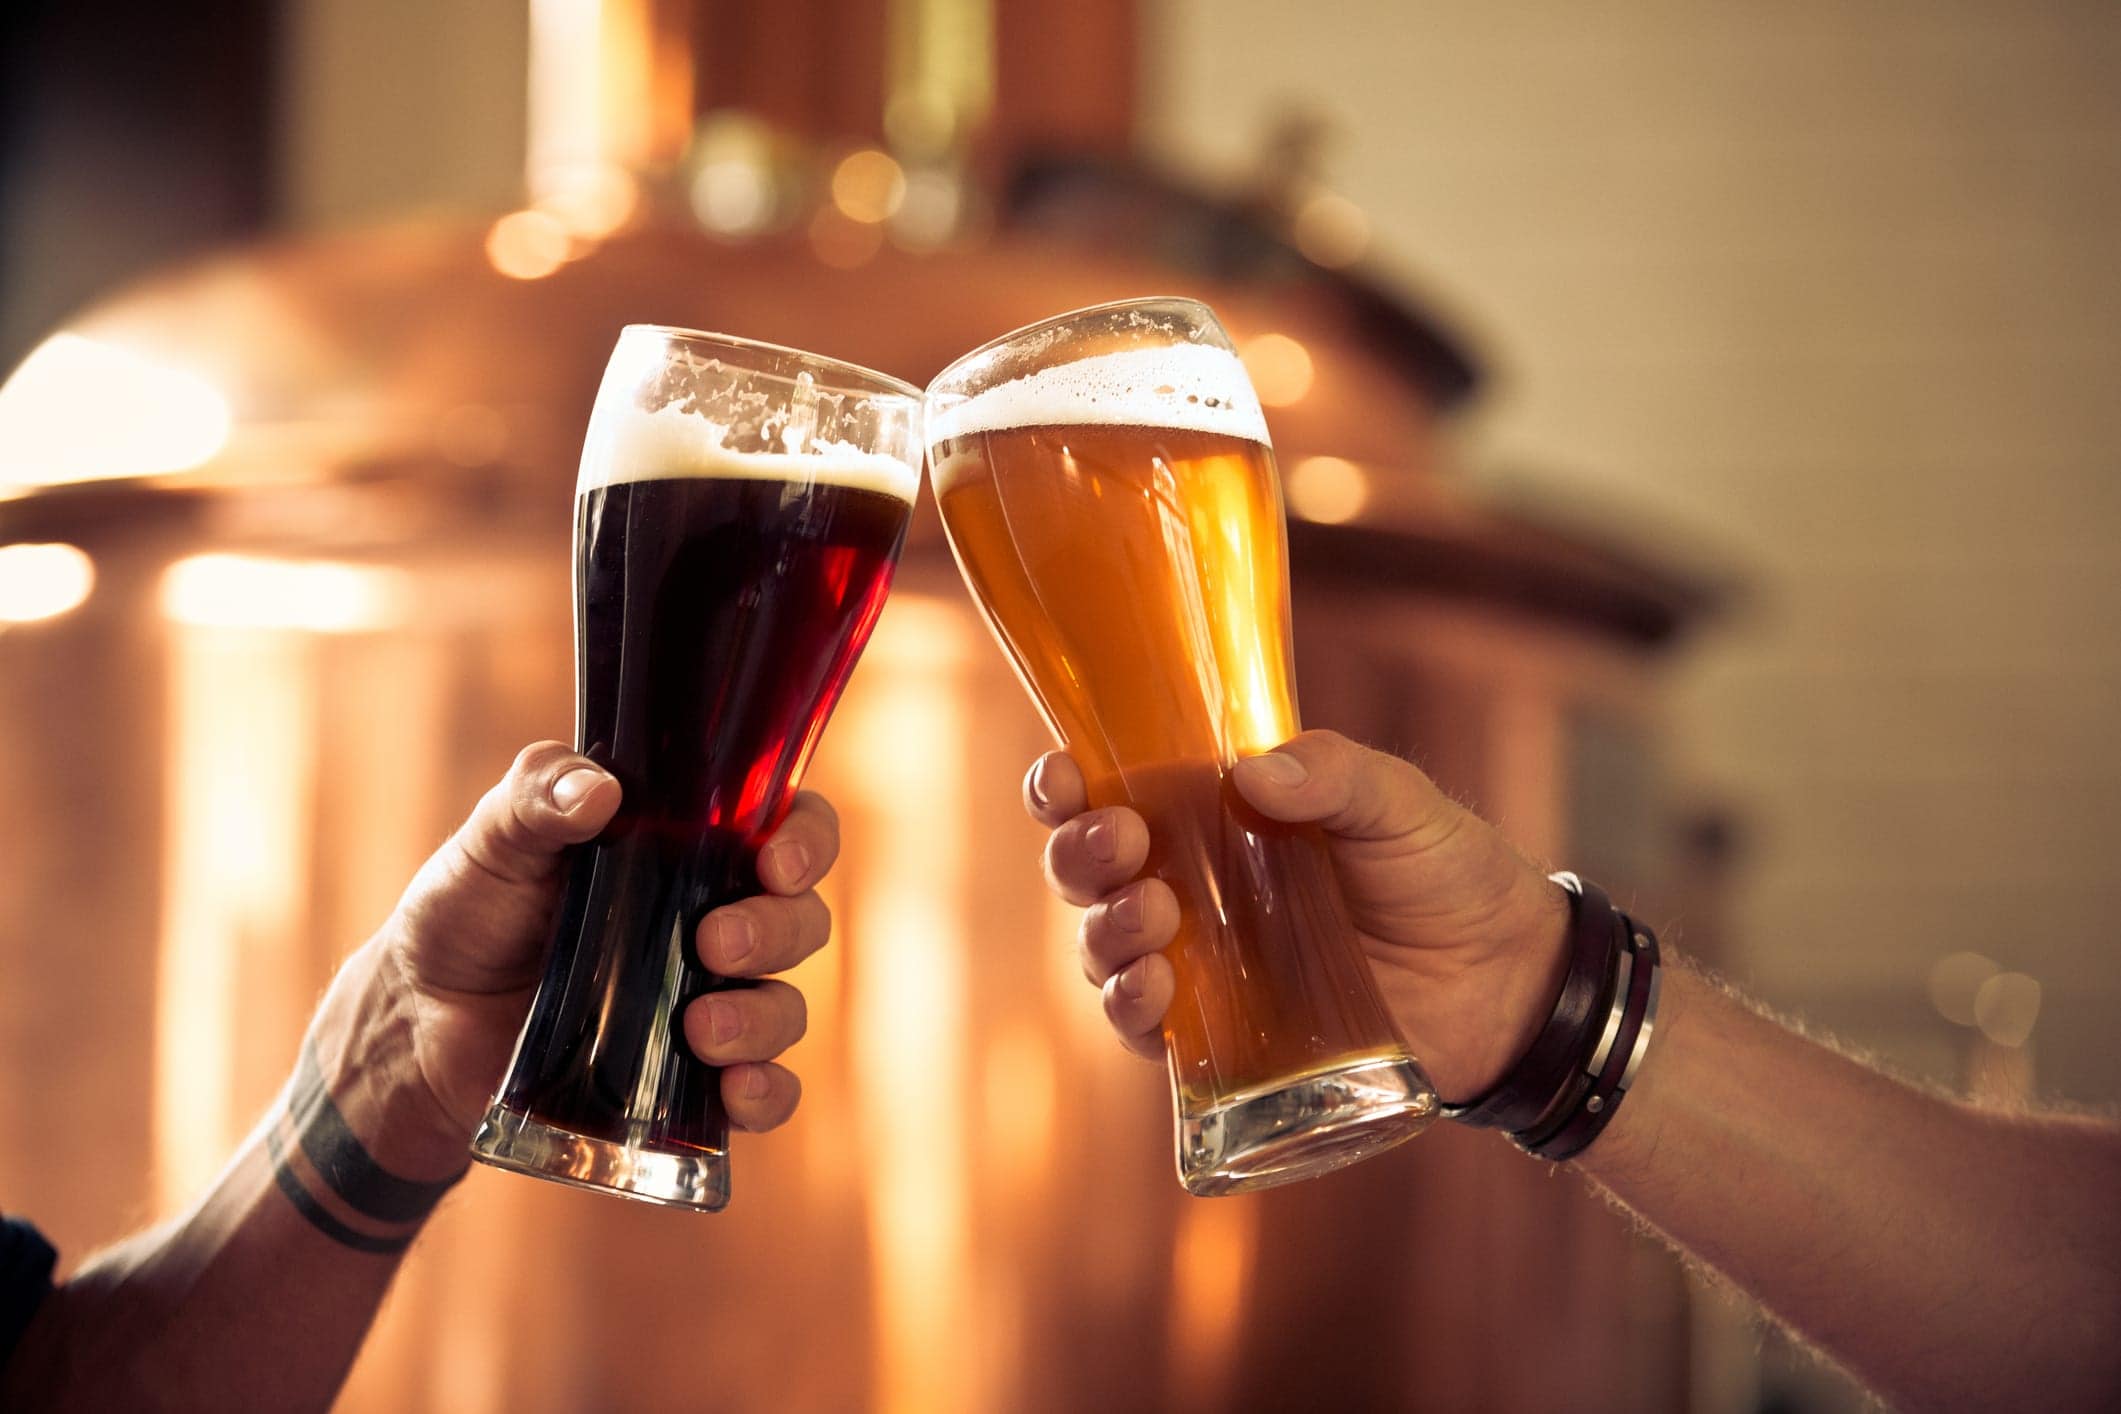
[1830, 295]
[393, 108]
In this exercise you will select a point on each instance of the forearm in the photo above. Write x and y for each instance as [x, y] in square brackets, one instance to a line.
[1948, 1256]
[260, 1295]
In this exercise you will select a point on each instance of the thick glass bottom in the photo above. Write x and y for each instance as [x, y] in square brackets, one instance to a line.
[1306, 1127]
[516, 1142]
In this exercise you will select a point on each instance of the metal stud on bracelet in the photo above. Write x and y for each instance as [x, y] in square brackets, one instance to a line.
[1616, 1059]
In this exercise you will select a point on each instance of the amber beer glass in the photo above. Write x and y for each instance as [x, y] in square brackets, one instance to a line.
[738, 516]
[1110, 494]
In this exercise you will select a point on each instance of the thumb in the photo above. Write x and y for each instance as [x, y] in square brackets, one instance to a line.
[1322, 778]
[476, 915]
[551, 798]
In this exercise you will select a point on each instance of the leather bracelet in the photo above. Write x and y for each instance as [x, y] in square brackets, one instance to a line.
[1548, 1078]
[1614, 1062]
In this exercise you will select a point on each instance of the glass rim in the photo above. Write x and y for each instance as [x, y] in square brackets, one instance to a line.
[1066, 317]
[890, 387]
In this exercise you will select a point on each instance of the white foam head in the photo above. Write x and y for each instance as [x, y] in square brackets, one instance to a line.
[631, 445]
[1194, 387]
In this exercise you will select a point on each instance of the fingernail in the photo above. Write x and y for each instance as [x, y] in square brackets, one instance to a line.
[1131, 981]
[1035, 786]
[791, 861]
[1102, 840]
[723, 1023]
[568, 790]
[1127, 912]
[755, 1084]
[1279, 769]
[740, 939]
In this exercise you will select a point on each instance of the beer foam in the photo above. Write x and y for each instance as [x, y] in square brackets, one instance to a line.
[1194, 387]
[632, 445]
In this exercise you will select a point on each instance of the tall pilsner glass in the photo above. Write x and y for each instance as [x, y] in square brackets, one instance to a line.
[1110, 494]
[738, 517]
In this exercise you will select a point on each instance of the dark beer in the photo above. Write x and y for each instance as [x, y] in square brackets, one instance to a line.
[739, 512]
[718, 620]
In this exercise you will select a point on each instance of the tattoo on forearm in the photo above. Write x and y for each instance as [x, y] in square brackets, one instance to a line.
[332, 1179]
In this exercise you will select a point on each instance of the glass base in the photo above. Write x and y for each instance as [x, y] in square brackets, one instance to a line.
[1307, 1127]
[512, 1141]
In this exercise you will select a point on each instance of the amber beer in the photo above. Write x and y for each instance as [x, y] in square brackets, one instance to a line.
[1112, 501]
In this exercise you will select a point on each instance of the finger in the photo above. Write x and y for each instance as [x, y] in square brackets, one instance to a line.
[762, 935]
[1054, 791]
[1140, 919]
[1136, 999]
[1096, 852]
[745, 1023]
[760, 1097]
[1324, 778]
[797, 854]
[551, 798]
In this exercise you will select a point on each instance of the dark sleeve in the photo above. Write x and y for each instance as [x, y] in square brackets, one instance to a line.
[25, 1279]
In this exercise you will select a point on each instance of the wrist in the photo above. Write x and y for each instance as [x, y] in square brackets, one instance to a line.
[1558, 1098]
[364, 1045]
[1531, 960]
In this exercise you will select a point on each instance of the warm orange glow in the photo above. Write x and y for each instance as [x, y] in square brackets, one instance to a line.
[471, 434]
[841, 243]
[1329, 489]
[1208, 1276]
[527, 245]
[84, 410]
[868, 186]
[1331, 230]
[43, 581]
[1020, 1094]
[238, 591]
[1280, 368]
[235, 871]
[606, 96]
[591, 202]
[908, 1008]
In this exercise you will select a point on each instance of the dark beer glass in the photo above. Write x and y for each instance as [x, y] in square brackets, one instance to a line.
[1109, 490]
[738, 516]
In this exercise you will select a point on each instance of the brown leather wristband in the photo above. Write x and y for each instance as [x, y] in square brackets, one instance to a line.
[1613, 1062]
[1548, 1078]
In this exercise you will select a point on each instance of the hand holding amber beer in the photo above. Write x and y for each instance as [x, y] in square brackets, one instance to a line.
[1466, 937]
[1109, 490]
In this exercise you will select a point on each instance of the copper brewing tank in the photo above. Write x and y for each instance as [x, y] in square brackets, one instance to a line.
[974, 1209]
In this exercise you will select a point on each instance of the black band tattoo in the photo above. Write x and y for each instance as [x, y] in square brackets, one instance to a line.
[345, 1167]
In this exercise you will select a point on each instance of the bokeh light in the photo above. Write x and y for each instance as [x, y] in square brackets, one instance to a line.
[868, 186]
[1329, 489]
[43, 581]
[1280, 368]
[528, 245]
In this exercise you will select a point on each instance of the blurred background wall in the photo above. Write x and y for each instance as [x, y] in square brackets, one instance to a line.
[1826, 292]
[1817, 303]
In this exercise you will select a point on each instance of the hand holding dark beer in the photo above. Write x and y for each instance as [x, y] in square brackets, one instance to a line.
[1464, 935]
[469, 938]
